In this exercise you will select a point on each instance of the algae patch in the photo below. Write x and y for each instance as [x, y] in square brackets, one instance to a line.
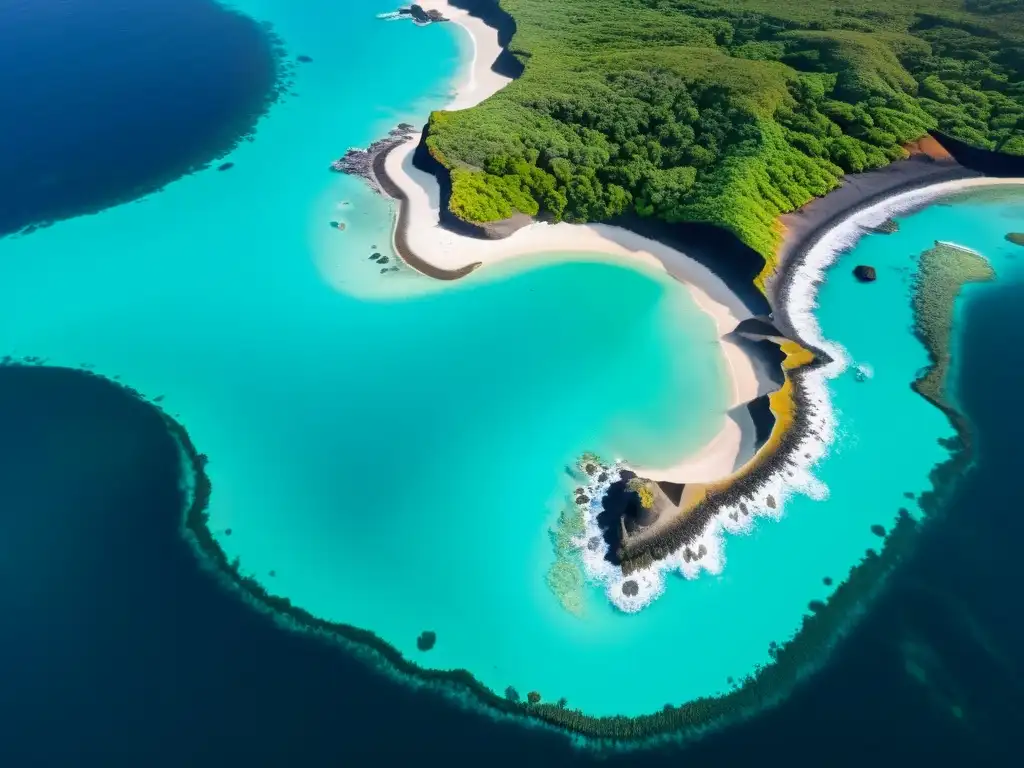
[565, 577]
[942, 273]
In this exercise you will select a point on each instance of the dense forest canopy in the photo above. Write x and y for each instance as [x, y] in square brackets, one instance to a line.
[726, 111]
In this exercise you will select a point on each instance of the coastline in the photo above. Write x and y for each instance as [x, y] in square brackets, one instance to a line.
[453, 255]
[758, 691]
[730, 479]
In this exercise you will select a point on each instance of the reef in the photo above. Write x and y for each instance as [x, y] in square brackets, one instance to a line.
[1017, 238]
[426, 640]
[942, 273]
[565, 577]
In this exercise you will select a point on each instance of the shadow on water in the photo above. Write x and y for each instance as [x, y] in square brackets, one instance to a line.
[183, 81]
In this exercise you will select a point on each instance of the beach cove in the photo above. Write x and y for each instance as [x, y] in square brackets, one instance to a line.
[286, 354]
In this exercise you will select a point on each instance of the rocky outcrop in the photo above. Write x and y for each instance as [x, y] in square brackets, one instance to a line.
[420, 15]
[865, 273]
[360, 162]
[1017, 238]
[426, 640]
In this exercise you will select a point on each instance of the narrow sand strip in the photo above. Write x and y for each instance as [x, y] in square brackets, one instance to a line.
[445, 249]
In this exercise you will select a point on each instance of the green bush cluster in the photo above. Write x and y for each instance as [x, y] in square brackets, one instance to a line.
[728, 112]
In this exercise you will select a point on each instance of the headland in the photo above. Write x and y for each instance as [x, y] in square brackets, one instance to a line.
[746, 469]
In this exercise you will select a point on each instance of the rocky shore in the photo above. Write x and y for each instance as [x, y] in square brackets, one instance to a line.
[360, 162]
[421, 15]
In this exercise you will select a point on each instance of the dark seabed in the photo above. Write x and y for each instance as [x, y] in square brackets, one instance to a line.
[118, 647]
[172, 85]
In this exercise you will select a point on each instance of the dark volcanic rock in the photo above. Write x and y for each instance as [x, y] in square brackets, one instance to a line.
[865, 273]
[630, 588]
[590, 469]
[602, 477]
[359, 162]
[701, 551]
[770, 501]
[420, 15]
[426, 640]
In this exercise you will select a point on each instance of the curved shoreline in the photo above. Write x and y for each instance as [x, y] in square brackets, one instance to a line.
[453, 255]
[809, 255]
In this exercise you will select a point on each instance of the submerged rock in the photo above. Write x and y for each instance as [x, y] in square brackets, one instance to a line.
[827, 581]
[533, 697]
[225, 166]
[1017, 238]
[304, 59]
[878, 530]
[426, 640]
[888, 227]
[865, 273]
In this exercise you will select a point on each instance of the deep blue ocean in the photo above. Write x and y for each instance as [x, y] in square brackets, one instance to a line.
[118, 648]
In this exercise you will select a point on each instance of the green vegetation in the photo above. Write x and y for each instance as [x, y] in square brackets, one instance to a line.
[643, 489]
[726, 111]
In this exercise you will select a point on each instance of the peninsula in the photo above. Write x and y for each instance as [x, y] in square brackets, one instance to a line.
[574, 129]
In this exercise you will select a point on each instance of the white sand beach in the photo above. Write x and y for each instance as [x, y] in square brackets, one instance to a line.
[443, 248]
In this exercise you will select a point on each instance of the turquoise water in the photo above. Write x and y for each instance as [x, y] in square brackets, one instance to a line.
[397, 463]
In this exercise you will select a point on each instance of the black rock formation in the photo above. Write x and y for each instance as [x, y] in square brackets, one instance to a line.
[420, 15]
[426, 640]
[630, 588]
[865, 273]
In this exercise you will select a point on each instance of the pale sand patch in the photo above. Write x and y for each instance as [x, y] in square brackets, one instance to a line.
[734, 444]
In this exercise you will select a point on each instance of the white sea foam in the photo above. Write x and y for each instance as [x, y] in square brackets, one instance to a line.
[796, 476]
[390, 16]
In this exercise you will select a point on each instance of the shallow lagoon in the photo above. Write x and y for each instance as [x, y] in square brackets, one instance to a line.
[346, 435]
